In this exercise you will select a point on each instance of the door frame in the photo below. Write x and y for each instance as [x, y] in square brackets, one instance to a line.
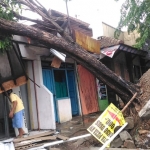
[54, 94]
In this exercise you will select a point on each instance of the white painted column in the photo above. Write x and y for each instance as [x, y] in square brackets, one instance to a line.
[44, 99]
[31, 98]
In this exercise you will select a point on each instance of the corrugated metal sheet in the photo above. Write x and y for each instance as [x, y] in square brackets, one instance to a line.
[132, 50]
[87, 42]
[88, 91]
[86, 31]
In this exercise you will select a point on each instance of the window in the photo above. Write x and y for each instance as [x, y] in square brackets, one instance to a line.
[60, 83]
[137, 73]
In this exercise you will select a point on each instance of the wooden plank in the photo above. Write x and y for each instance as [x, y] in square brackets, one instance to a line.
[26, 143]
[21, 80]
[35, 141]
[88, 91]
[62, 137]
[10, 84]
[56, 62]
[29, 146]
[24, 147]
[46, 138]
[32, 137]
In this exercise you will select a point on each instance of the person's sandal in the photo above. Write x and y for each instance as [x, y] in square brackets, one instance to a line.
[26, 134]
[19, 137]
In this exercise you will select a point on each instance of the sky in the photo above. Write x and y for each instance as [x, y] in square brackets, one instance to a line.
[93, 12]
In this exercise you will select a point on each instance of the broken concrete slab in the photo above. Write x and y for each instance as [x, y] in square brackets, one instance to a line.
[78, 143]
[54, 148]
[130, 121]
[116, 143]
[145, 111]
[62, 137]
[125, 136]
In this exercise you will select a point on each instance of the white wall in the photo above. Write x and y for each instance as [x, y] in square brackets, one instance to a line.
[41, 110]
[44, 99]
[64, 110]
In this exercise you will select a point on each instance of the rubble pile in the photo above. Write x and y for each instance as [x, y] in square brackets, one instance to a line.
[144, 83]
[137, 132]
[129, 139]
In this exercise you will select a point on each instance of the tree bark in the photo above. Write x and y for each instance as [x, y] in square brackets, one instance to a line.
[121, 87]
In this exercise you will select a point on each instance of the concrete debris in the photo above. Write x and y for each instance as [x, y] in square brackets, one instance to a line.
[145, 111]
[54, 149]
[78, 143]
[129, 144]
[116, 143]
[148, 135]
[125, 136]
[130, 121]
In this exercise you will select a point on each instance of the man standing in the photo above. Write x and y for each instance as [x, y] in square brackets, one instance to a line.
[16, 112]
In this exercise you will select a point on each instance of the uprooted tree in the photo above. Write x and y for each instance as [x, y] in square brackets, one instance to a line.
[43, 32]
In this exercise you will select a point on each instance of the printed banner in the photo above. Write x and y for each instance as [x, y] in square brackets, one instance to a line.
[103, 128]
[110, 51]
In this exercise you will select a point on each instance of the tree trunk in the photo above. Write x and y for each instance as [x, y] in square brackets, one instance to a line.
[121, 87]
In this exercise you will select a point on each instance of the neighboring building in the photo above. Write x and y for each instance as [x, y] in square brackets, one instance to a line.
[128, 39]
[118, 55]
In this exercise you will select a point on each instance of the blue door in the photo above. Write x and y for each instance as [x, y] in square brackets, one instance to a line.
[72, 92]
[56, 81]
[49, 83]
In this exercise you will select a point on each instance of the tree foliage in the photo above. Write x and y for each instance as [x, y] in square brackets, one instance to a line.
[7, 10]
[11, 10]
[135, 15]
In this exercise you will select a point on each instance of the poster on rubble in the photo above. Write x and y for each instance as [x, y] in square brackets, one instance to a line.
[103, 128]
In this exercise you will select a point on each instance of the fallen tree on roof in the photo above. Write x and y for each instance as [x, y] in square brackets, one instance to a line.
[67, 45]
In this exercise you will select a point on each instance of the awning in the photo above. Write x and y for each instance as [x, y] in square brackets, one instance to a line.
[110, 51]
[61, 56]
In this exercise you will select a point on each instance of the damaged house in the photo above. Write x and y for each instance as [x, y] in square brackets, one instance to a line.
[59, 89]
[51, 94]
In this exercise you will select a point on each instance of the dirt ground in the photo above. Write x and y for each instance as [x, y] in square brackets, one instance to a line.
[76, 127]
